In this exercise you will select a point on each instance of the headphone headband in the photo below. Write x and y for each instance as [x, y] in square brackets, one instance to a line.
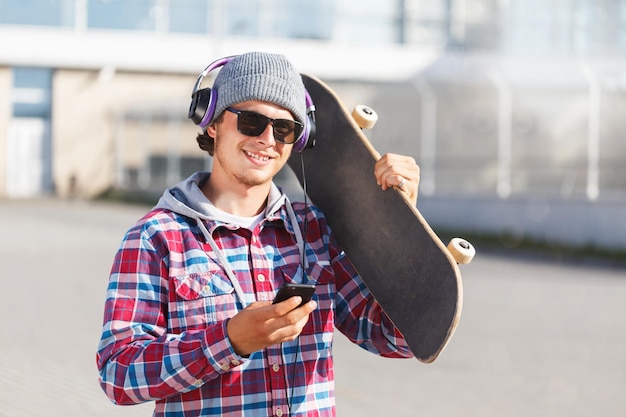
[213, 65]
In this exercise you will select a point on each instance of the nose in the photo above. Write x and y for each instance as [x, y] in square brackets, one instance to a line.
[268, 135]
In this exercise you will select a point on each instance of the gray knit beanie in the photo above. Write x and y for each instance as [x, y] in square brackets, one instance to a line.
[260, 76]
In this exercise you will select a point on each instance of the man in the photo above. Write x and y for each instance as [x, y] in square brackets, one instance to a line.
[189, 320]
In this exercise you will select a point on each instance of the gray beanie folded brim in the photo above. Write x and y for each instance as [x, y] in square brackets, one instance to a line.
[263, 77]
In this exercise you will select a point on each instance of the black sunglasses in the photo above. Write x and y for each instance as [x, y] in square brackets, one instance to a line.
[250, 123]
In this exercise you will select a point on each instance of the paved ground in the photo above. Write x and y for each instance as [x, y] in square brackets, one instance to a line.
[535, 339]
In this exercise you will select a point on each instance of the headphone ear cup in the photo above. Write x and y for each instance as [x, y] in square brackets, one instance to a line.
[202, 106]
[302, 143]
[308, 134]
[310, 140]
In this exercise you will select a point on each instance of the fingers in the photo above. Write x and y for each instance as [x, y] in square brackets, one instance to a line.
[391, 169]
[401, 184]
[263, 324]
[399, 171]
[289, 326]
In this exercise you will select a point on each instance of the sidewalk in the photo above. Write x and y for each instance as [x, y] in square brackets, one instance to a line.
[534, 339]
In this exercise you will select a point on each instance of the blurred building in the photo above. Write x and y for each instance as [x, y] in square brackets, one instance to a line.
[500, 101]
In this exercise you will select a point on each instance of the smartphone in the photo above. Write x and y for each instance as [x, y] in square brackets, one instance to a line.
[290, 290]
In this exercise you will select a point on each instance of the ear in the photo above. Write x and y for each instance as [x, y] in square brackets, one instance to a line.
[211, 130]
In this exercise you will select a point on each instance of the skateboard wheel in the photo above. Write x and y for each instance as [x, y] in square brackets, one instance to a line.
[364, 116]
[462, 251]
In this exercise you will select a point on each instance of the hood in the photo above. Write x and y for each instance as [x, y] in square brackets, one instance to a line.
[187, 199]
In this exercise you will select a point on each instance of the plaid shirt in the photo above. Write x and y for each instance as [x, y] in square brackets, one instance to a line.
[164, 336]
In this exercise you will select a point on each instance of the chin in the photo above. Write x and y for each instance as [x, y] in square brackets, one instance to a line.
[255, 180]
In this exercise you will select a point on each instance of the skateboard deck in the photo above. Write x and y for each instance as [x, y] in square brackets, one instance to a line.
[405, 265]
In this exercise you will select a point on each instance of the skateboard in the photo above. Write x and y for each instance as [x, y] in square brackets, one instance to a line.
[408, 269]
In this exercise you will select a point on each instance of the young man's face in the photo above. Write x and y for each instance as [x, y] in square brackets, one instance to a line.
[249, 160]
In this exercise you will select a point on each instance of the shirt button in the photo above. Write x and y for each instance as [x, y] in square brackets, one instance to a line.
[276, 367]
[261, 277]
[235, 362]
[199, 383]
[279, 412]
[225, 367]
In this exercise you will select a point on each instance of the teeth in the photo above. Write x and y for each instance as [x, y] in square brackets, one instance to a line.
[257, 157]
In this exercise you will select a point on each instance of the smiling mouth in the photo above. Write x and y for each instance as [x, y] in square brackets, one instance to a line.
[257, 156]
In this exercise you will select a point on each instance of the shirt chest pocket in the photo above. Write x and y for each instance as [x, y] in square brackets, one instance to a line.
[200, 299]
[321, 321]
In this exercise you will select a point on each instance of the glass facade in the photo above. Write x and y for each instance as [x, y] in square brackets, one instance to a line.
[587, 27]
[568, 27]
[343, 20]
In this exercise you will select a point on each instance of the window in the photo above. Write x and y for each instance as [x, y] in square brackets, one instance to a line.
[123, 14]
[32, 92]
[189, 16]
[37, 12]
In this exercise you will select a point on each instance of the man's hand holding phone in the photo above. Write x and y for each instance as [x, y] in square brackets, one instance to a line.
[262, 324]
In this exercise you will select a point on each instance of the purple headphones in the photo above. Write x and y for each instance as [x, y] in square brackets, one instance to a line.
[204, 101]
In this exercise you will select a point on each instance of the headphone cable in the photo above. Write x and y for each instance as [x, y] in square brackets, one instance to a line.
[305, 221]
[305, 279]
